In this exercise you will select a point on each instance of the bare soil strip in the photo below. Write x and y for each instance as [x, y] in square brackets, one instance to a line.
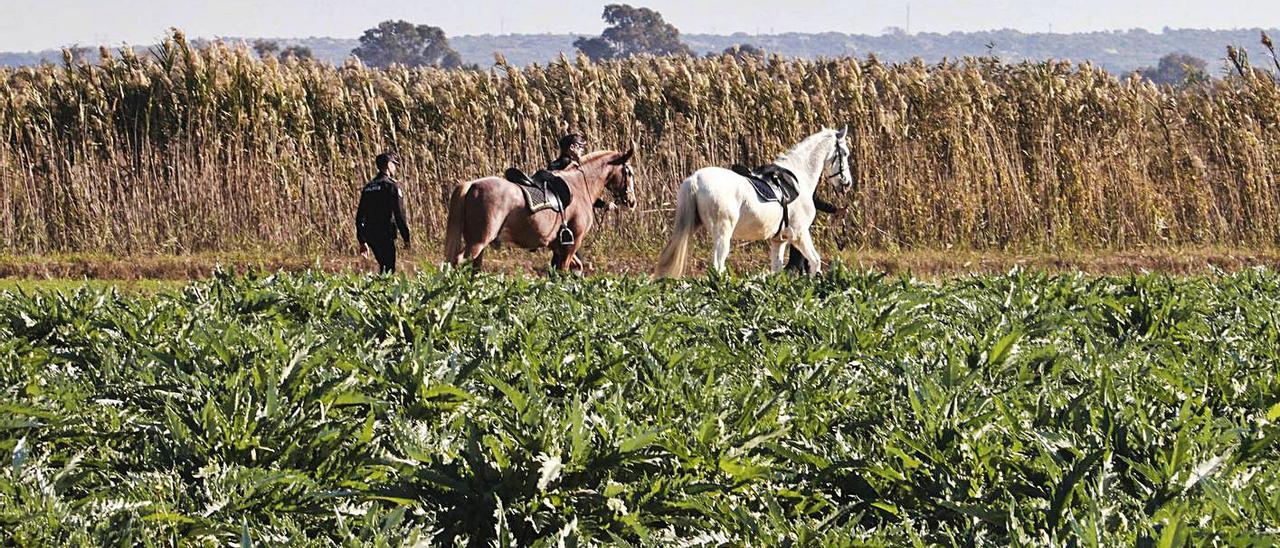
[919, 263]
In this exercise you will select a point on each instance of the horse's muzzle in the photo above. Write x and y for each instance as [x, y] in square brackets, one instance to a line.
[624, 200]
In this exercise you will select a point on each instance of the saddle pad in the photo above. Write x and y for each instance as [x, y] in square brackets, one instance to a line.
[537, 200]
[765, 192]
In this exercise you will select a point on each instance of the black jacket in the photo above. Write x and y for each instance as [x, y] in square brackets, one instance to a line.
[381, 211]
[560, 164]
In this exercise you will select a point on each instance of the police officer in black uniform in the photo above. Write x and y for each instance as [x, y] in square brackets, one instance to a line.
[381, 214]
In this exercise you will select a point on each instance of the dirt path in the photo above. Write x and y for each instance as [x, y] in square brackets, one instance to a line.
[921, 263]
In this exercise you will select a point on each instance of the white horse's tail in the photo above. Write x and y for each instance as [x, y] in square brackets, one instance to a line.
[671, 263]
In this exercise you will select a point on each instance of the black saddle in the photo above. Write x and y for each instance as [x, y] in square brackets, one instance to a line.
[773, 183]
[542, 191]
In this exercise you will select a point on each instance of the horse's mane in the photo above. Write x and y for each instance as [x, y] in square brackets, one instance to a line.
[597, 155]
[806, 144]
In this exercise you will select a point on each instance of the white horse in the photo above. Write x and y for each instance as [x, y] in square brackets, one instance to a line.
[726, 203]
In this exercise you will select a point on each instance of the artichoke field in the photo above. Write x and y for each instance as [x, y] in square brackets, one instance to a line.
[455, 408]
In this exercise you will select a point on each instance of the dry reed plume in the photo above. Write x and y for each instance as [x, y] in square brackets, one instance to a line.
[209, 149]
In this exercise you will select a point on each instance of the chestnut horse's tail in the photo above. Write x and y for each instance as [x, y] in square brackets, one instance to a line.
[453, 237]
[671, 263]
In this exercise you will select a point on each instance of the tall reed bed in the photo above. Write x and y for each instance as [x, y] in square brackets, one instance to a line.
[210, 149]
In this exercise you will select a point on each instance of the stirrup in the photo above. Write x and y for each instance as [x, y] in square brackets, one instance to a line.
[566, 236]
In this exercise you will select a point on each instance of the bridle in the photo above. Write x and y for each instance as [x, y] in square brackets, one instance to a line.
[837, 166]
[625, 195]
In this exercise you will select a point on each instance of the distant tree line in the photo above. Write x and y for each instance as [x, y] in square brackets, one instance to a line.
[1170, 57]
[271, 48]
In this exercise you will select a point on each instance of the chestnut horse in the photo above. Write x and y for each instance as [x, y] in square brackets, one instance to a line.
[493, 209]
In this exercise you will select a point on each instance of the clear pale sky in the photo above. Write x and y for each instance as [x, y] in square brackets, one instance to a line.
[40, 24]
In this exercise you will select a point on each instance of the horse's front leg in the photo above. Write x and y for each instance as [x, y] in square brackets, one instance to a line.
[566, 257]
[810, 252]
[777, 255]
[569, 260]
[580, 225]
[474, 252]
[558, 258]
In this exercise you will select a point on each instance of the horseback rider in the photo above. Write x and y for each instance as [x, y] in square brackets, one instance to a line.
[572, 147]
[381, 214]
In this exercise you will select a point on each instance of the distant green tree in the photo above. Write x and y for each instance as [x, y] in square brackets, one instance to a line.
[265, 47]
[404, 43]
[1176, 69]
[632, 31]
[597, 48]
[297, 52]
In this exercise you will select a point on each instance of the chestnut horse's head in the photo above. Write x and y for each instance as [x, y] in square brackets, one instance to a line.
[620, 179]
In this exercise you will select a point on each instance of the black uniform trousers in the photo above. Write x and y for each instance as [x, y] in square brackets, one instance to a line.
[384, 250]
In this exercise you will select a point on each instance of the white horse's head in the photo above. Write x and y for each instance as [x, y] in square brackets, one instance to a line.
[839, 162]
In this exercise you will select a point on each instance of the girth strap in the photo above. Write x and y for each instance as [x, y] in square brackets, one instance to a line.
[785, 220]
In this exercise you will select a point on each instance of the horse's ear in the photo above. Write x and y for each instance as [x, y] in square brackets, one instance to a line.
[843, 131]
[626, 157]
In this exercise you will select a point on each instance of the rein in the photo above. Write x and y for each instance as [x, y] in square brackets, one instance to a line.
[566, 235]
[625, 195]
